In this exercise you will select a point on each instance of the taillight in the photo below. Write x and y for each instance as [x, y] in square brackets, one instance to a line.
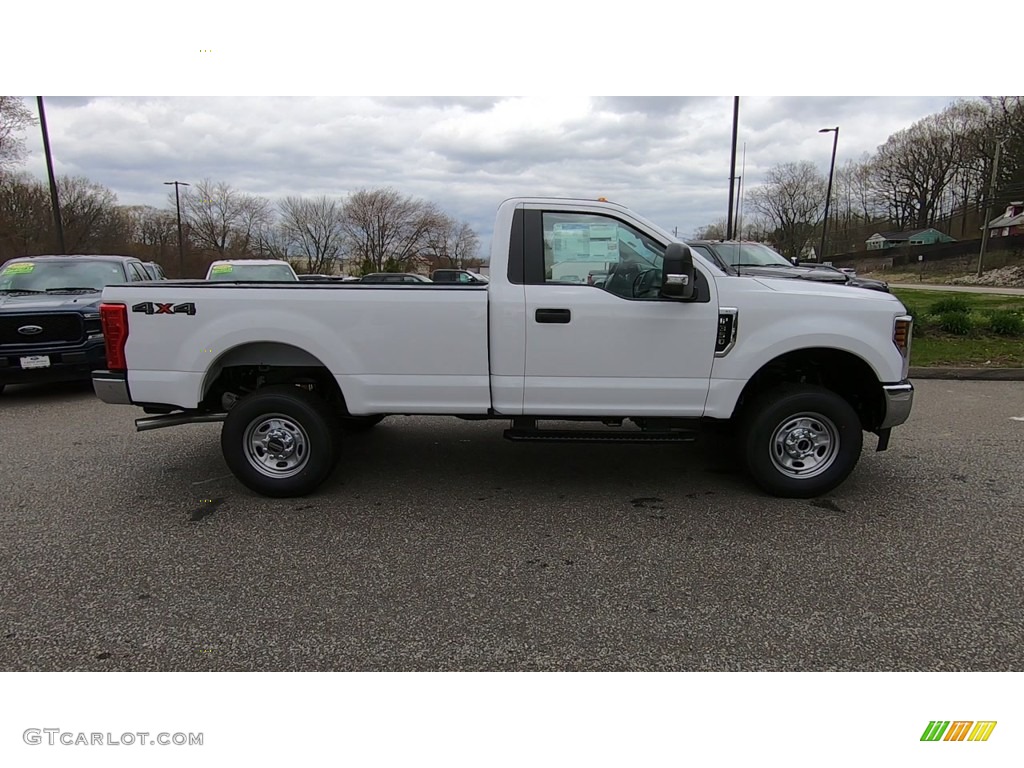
[114, 319]
[901, 334]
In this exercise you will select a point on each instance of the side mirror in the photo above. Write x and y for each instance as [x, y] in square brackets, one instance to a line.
[680, 278]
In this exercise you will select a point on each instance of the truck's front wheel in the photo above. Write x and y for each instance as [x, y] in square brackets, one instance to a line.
[280, 441]
[801, 441]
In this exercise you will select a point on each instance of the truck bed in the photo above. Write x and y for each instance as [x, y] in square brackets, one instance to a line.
[392, 348]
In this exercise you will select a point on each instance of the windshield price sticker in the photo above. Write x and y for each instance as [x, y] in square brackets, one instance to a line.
[222, 268]
[18, 269]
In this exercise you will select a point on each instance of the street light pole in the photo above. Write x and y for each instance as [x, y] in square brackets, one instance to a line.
[54, 199]
[181, 242]
[732, 167]
[828, 194]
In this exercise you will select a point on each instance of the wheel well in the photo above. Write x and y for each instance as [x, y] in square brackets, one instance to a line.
[249, 367]
[842, 372]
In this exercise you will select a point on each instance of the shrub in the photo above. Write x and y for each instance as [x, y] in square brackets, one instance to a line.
[1006, 323]
[953, 304]
[957, 323]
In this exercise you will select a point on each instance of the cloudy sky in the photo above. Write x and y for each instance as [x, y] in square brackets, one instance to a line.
[665, 156]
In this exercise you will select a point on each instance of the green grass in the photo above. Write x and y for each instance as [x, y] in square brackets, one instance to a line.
[967, 330]
[960, 352]
[923, 301]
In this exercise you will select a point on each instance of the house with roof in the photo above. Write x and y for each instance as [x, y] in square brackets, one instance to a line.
[1010, 223]
[882, 240]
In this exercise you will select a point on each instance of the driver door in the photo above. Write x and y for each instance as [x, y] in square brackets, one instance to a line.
[617, 349]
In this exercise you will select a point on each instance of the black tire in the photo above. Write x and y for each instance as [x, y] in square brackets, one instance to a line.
[299, 423]
[359, 423]
[800, 440]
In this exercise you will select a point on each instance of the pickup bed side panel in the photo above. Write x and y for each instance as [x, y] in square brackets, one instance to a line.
[392, 349]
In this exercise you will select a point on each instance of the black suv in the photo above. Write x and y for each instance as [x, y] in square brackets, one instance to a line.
[49, 315]
[758, 260]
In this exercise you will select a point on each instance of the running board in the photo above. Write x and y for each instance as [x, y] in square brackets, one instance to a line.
[596, 436]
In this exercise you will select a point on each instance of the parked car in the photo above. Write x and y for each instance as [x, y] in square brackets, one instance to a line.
[674, 343]
[457, 276]
[251, 271]
[49, 315]
[154, 270]
[394, 277]
[759, 260]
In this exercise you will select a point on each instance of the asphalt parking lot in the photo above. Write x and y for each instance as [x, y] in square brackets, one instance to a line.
[440, 546]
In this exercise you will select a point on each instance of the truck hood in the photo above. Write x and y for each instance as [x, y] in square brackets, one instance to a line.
[34, 302]
[828, 288]
[820, 274]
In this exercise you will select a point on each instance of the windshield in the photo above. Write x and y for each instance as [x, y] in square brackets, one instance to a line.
[252, 272]
[55, 274]
[750, 255]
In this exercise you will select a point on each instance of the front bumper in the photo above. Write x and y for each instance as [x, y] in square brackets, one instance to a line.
[66, 363]
[111, 387]
[898, 401]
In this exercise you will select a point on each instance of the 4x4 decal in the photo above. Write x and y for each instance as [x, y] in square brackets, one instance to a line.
[151, 308]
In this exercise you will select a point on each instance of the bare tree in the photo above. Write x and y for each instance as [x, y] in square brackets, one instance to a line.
[224, 221]
[451, 243]
[715, 231]
[315, 231]
[92, 219]
[256, 215]
[386, 230]
[791, 200]
[916, 166]
[14, 118]
[26, 228]
[152, 231]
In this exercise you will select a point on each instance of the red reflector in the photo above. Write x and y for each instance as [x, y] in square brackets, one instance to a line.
[114, 321]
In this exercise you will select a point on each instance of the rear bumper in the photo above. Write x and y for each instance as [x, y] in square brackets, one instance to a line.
[899, 398]
[112, 387]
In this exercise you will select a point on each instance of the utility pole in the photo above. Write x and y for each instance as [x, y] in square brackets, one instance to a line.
[54, 199]
[181, 242]
[988, 207]
[732, 169]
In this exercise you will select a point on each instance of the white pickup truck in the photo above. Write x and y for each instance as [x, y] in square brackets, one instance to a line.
[668, 344]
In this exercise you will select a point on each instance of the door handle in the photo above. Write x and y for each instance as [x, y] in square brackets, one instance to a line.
[553, 315]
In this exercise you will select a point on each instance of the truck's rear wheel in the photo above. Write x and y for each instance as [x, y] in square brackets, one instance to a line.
[800, 440]
[280, 441]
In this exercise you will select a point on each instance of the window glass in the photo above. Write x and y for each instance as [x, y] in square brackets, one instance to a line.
[579, 247]
[252, 273]
[54, 274]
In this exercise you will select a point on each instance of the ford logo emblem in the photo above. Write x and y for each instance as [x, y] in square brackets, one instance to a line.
[30, 330]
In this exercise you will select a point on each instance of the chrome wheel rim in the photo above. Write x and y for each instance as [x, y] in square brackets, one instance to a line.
[276, 446]
[804, 445]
